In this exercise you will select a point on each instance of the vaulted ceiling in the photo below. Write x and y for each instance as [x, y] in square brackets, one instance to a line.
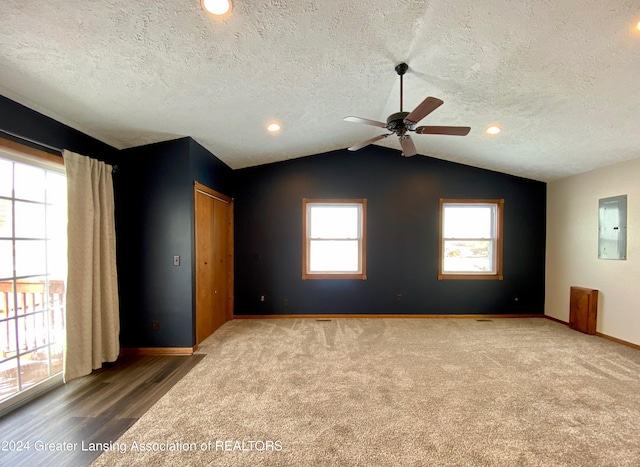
[561, 78]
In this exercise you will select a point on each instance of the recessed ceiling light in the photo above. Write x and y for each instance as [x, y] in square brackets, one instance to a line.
[216, 7]
[273, 127]
[493, 130]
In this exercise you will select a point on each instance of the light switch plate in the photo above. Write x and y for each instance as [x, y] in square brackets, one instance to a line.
[176, 260]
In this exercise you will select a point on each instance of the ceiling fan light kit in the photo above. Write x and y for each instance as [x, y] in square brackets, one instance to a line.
[400, 123]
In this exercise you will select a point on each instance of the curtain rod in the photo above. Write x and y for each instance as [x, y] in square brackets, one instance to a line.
[42, 145]
[29, 140]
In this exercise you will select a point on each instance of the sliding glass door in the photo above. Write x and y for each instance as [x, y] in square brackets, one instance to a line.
[33, 270]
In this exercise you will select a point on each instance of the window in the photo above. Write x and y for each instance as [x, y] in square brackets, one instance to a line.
[470, 239]
[33, 269]
[334, 240]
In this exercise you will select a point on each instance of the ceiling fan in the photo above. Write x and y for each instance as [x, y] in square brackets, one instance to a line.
[400, 123]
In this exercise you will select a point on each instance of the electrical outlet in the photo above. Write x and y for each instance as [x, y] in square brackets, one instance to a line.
[155, 325]
[286, 302]
[262, 298]
[399, 298]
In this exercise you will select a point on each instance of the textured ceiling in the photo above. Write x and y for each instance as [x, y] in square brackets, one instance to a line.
[562, 78]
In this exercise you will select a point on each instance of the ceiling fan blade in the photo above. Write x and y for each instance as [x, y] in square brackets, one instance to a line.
[368, 142]
[366, 121]
[443, 130]
[425, 108]
[408, 148]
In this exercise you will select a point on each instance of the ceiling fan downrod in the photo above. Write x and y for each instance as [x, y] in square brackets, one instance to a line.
[401, 69]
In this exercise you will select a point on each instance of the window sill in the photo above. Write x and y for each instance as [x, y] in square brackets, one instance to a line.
[476, 277]
[307, 276]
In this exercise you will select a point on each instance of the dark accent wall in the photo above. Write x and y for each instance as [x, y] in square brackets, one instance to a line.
[402, 236]
[154, 216]
[154, 221]
[20, 120]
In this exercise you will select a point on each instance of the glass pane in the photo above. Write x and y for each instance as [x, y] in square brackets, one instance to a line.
[334, 221]
[56, 358]
[57, 260]
[6, 177]
[56, 189]
[29, 182]
[6, 218]
[30, 220]
[32, 294]
[56, 325]
[7, 303]
[473, 257]
[8, 378]
[57, 221]
[32, 332]
[8, 338]
[6, 259]
[334, 256]
[7, 300]
[468, 221]
[30, 257]
[34, 367]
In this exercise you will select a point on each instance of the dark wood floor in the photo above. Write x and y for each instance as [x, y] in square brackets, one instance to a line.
[97, 408]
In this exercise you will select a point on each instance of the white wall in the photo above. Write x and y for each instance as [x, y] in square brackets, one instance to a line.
[572, 248]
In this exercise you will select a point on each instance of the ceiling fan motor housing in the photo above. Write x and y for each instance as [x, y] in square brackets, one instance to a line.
[395, 122]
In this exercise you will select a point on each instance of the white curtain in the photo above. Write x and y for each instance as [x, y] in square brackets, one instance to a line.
[92, 316]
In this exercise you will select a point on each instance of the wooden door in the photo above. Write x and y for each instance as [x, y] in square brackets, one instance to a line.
[214, 260]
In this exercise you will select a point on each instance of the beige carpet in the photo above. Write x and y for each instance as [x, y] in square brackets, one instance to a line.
[396, 392]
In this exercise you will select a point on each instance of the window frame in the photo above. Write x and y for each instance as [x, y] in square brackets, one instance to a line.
[497, 274]
[362, 240]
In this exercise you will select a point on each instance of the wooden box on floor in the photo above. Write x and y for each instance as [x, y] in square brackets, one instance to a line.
[583, 309]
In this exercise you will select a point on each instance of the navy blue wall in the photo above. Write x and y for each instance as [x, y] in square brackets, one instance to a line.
[402, 236]
[20, 120]
[209, 170]
[154, 214]
[154, 221]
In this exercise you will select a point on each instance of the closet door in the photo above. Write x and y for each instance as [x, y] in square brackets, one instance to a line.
[214, 260]
[220, 263]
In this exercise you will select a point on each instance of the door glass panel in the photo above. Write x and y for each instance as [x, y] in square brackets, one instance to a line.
[6, 177]
[6, 301]
[8, 377]
[29, 182]
[8, 339]
[56, 189]
[31, 257]
[6, 218]
[34, 367]
[55, 352]
[30, 220]
[33, 224]
[6, 259]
